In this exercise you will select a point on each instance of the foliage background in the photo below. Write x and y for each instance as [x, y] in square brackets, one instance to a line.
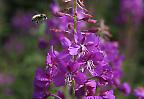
[20, 53]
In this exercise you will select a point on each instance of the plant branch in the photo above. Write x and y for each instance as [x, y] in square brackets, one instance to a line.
[75, 16]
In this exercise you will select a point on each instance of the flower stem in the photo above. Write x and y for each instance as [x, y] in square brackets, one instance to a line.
[75, 16]
[73, 89]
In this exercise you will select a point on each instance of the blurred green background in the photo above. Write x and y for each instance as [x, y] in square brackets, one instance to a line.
[20, 53]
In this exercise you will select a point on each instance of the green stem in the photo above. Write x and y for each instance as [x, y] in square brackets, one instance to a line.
[73, 89]
[75, 16]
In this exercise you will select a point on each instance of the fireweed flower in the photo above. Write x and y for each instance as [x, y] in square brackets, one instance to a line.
[41, 83]
[125, 88]
[139, 92]
[132, 9]
[22, 21]
[86, 62]
[88, 89]
[42, 43]
[67, 73]
[114, 58]
[104, 95]
[59, 17]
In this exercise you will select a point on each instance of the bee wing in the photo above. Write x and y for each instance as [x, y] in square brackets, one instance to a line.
[35, 13]
[66, 1]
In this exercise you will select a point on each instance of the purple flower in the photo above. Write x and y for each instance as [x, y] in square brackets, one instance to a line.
[86, 62]
[139, 92]
[105, 95]
[65, 42]
[114, 58]
[51, 57]
[93, 97]
[84, 44]
[89, 89]
[125, 88]
[67, 72]
[131, 9]
[22, 20]
[54, 7]
[108, 95]
[41, 83]
[105, 72]
[42, 44]
[67, 26]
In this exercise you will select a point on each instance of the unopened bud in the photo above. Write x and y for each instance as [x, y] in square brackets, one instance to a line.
[92, 21]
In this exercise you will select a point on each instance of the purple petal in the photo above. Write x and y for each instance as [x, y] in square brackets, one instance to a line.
[54, 7]
[39, 93]
[109, 95]
[59, 79]
[98, 56]
[104, 72]
[80, 78]
[125, 87]
[91, 86]
[73, 50]
[48, 59]
[139, 92]
[65, 42]
[92, 38]
[73, 66]
[93, 97]
[41, 79]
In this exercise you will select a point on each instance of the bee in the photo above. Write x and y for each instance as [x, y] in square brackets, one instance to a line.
[39, 18]
[67, 1]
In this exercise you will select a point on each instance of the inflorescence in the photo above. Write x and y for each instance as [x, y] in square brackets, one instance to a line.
[87, 62]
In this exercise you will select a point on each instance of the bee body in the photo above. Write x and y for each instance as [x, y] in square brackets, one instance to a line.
[39, 18]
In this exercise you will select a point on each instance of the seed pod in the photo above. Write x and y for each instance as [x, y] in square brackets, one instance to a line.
[92, 21]
[90, 30]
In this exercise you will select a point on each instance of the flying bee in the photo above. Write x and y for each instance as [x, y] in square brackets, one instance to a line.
[39, 18]
[67, 1]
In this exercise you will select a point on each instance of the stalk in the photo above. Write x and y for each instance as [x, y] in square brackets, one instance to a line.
[73, 89]
[75, 16]
[75, 31]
